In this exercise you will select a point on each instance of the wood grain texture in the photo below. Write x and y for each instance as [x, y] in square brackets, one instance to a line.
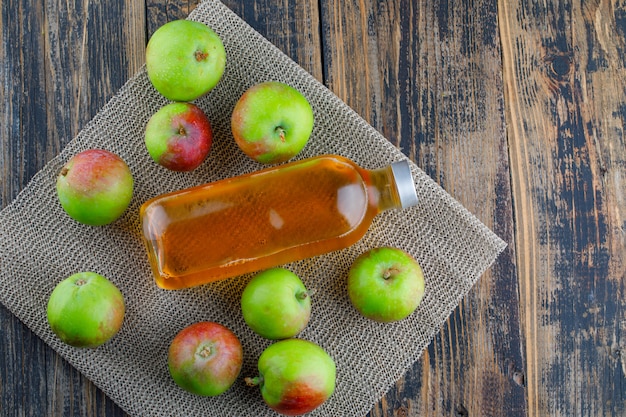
[85, 51]
[293, 26]
[61, 63]
[565, 83]
[518, 109]
[429, 78]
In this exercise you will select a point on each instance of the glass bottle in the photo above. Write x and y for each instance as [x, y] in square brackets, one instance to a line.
[267, 218]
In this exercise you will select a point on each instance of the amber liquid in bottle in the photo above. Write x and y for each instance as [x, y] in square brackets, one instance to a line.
[263, 219]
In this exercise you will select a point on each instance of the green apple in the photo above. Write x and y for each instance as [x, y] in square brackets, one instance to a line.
[295, 376]
[272, 122]
[179, 136]
[185, 60]
[385, 284]
[95, 187]
[276, 304]
[205, 358]
[85, 310]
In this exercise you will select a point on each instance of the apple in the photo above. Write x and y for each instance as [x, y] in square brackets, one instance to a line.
[276, 304]
[385, 284]
[179, 136]
[185, 60]
[272, 122]
[295, 376]
[95, 187]
[205, 358]
[85, 310]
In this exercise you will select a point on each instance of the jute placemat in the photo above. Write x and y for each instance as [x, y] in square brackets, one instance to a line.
[40, 245]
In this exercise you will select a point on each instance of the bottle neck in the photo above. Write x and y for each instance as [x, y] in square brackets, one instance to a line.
[382, 189]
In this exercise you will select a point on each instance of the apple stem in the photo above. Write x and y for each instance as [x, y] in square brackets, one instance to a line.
[181, 130]
[304, 294]
[200, 55]
[253, 382]
[80, 282]
[205, 352]
[64, 171]
[390, 272]
[281, 133]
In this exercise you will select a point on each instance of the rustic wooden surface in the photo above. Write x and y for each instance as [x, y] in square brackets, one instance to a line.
[518, 109]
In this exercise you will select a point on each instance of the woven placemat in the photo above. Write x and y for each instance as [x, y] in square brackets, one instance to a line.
[40, 245]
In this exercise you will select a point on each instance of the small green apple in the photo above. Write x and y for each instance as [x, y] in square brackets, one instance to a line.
[272, 122]
[205, 358]
[276, 304]
[179, 136]
[185, 60]
[295, 376]
[85, 310]
[385, 284]
[95, 187]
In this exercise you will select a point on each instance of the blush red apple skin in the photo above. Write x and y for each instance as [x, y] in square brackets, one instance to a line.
[179, 136]
[184, 60]
[205, 358]
[276, 304]
[272, 122]
[385, 284]
[85, 310]
[95, 187]
[296, 376]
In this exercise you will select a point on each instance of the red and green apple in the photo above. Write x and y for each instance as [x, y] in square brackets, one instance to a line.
[272, 122]
[179, 136]
[95, 187]
[205, 358]
[296, 376]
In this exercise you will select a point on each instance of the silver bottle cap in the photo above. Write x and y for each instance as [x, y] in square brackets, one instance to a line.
[404, 183]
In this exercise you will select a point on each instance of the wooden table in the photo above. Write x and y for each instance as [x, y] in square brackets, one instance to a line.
[518, 109]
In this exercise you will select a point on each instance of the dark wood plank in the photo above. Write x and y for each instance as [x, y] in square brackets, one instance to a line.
[293, 26]
[565, 79]
[536, 152]
[428, 76]
[87, 52]
[57, 73]
[416, 120]
[159, 12]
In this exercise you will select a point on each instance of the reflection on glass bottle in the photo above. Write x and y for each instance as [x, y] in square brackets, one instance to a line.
[267, 218]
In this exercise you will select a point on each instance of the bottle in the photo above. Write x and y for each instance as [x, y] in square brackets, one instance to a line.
[267, 218]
